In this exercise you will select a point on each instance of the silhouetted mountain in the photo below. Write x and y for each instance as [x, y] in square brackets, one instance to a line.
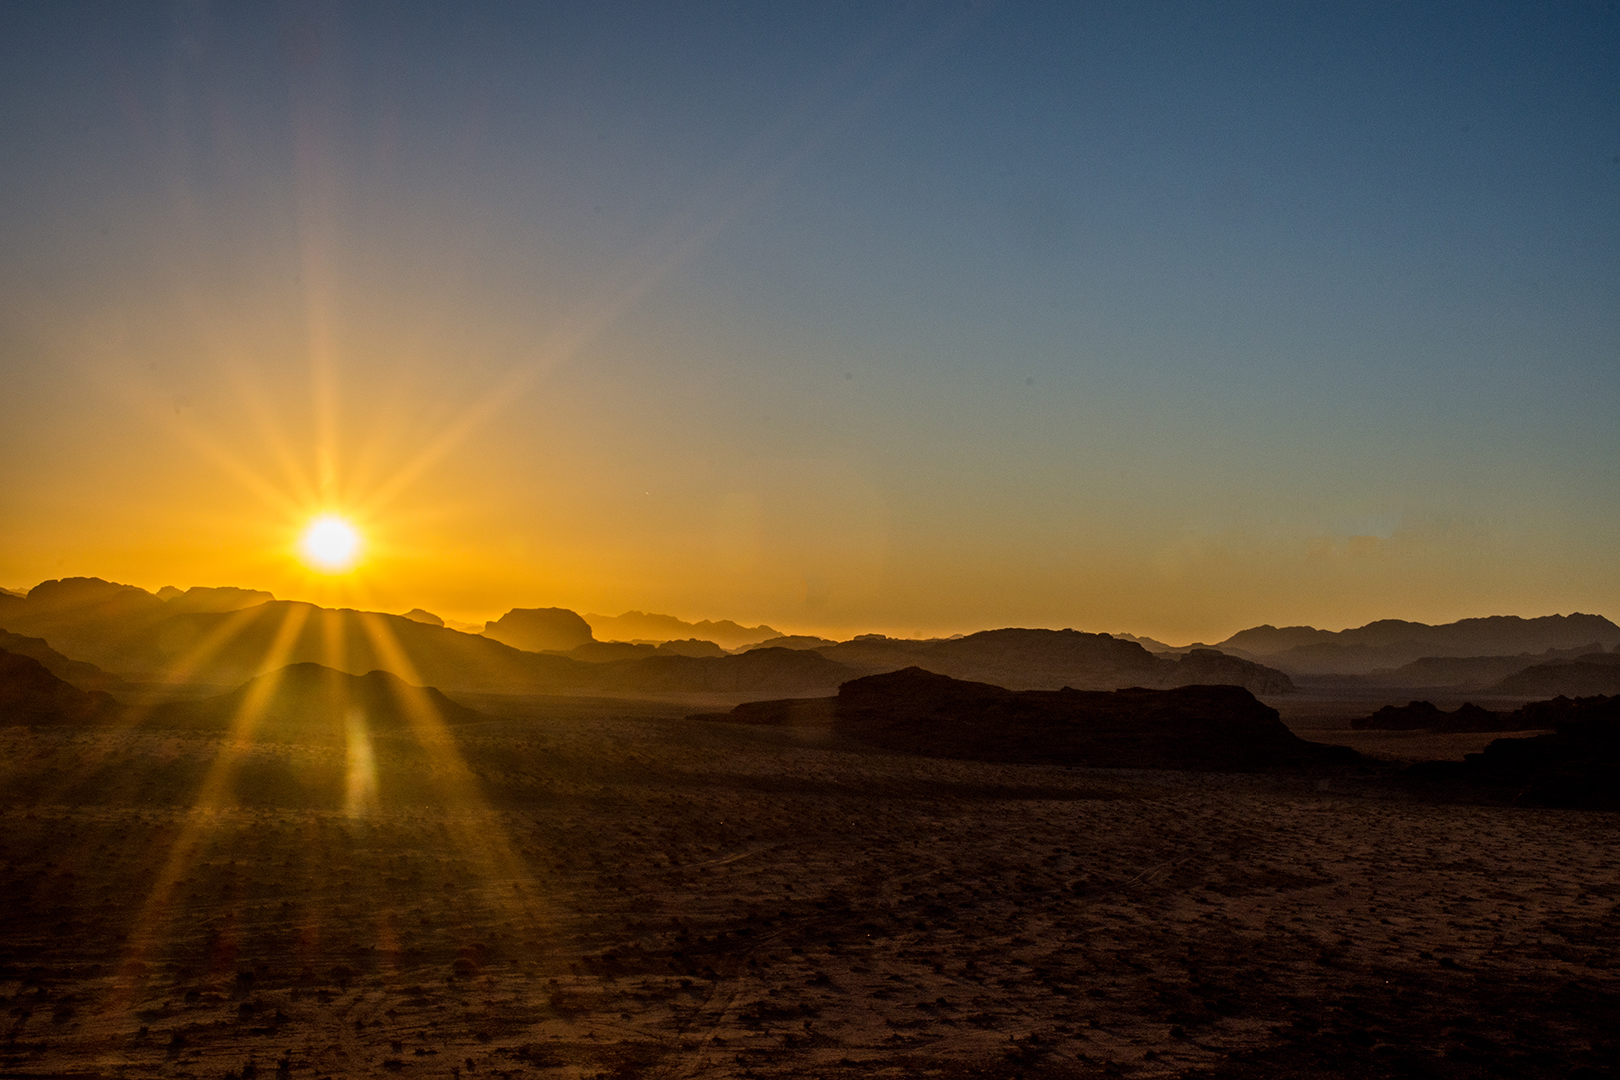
[427, 617]
[645, 626]
[1049, 659]
[1150, 644]
[600, 652]
[1425, 715]
[540, 629]
[227, 648]
[1577, 766]
[84, 676]
[1470, 672]
[603, 652]
[1391, 643]
[1192, 727]
[1211, 667]
[201, 598]
[86, 618]
[1585, 676]
[31, 695]
[795, 641]
[310, 702]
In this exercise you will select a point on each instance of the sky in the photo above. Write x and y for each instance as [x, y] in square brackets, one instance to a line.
[914, 318]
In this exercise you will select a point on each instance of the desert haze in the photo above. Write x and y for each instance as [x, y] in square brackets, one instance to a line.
[243, 835]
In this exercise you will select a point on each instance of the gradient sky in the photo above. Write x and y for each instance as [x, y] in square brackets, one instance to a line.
[1169, 319]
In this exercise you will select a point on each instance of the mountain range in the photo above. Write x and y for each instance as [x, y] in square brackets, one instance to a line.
[142, 637]
[96, 633]
[1391, 643]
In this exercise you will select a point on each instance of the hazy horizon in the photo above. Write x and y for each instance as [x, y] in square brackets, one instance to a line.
[470, 622]
[912, 319]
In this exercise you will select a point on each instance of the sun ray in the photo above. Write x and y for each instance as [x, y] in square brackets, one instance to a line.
[152, 921]
[215, 454]
[253, 393]
[482, 831]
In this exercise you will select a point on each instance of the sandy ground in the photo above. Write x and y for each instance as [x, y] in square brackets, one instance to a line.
[635, 896]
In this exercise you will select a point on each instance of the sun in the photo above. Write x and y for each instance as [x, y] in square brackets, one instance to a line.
[330, 544]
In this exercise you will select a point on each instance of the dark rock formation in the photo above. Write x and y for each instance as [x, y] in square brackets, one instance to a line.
[426, 618]
[540, 629]
[1219, 728]
[1577, 766]
[1425, 715]
[32, 696]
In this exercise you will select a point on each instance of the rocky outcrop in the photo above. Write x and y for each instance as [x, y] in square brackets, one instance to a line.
[1427, 716]
[1212, 728]
[1577, 766]
[540, 629]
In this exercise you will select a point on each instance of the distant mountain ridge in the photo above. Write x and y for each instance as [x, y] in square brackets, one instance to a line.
[221, 636]
[1025, 659]
[649, 627]
[1391, 643]
[130, 631]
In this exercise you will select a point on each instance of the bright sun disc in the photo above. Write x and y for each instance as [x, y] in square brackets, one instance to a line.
[330, 544]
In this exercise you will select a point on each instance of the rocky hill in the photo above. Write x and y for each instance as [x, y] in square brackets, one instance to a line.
[31, 696]
[1222, 728]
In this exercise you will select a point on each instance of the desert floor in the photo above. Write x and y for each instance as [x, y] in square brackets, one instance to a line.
[601, 894]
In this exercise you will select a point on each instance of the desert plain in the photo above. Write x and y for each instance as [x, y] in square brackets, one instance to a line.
[578, 887]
